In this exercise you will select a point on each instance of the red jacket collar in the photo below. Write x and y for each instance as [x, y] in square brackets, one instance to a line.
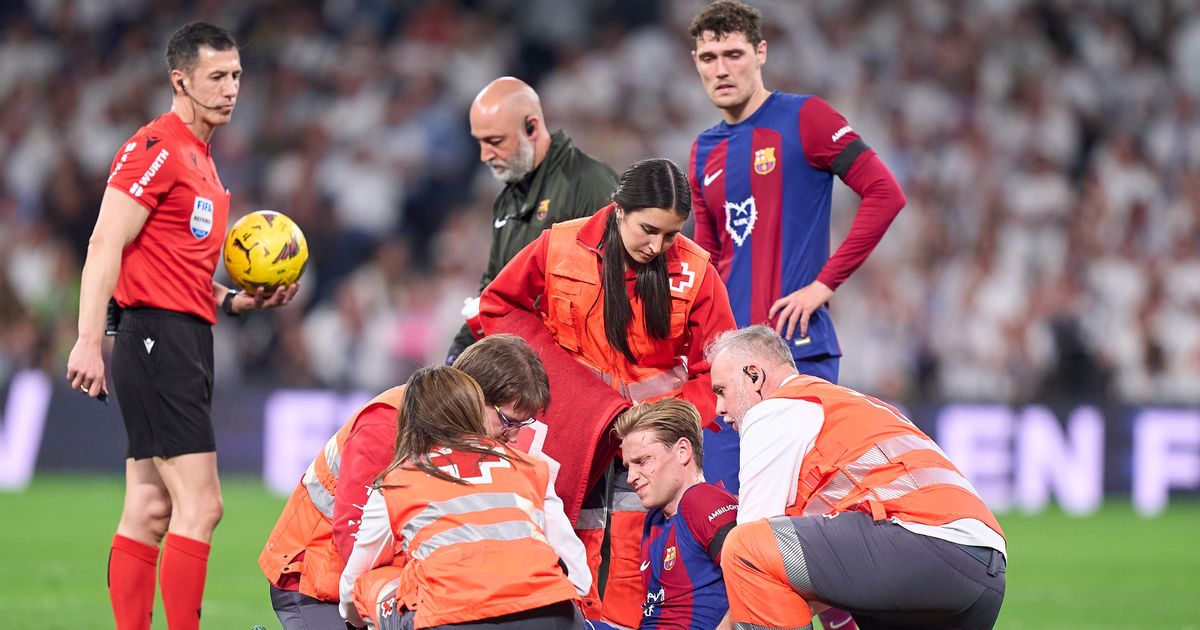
[591, 235]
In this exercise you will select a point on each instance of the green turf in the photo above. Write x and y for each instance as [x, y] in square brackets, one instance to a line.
[54, 553]
[1112, 570]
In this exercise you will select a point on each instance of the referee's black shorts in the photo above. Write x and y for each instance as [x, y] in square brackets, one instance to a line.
[162, 369]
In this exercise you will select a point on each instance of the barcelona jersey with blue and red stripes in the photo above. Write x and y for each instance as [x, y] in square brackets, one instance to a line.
[761, 192]
[681, 561]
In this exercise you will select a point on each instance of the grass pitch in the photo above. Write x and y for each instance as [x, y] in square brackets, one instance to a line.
[1111, 570]
[54, 555]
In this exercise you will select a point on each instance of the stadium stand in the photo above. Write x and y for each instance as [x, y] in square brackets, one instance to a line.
[1050, 246]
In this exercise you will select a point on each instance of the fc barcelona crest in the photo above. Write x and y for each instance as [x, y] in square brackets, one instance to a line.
[764, 160]
[669, 558]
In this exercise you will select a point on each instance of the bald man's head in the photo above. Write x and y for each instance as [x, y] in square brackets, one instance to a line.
[507, 121]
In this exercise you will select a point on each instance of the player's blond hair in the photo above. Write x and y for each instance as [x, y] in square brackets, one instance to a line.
[669, 419]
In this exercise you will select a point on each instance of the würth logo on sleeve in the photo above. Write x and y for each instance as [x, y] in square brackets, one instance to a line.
[137, 188]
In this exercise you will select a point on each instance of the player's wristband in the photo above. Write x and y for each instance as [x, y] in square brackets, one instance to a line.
[227, 303]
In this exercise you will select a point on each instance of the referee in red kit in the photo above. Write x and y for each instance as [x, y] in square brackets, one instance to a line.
[153, 251]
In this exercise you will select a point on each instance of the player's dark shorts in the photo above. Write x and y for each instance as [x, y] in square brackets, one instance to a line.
[162, 369]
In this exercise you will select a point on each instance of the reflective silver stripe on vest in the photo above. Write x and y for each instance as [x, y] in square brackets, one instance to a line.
[837, 488]
[922, 478]
[333, 456]
[844, 482]
[317, 493]
[887, 451]
[657, 385]
[467, 504]
[509, 530]
[388, 591]
[591, 518]
[817, 506]
[625, 498]
[904, 443]
[320, 497]
[624, 501]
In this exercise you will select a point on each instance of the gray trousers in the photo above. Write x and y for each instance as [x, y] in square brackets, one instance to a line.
[889, 577]
[297, 611]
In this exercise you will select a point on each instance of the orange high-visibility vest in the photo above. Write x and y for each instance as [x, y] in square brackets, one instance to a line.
[868, 457]
[575, 317]
[575, 314]
[378, 593]
[306, 522]
[479, 550]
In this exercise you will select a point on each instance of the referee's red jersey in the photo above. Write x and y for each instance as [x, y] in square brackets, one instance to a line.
[170, 264]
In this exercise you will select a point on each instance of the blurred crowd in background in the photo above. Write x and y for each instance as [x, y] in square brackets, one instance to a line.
[1050, 153]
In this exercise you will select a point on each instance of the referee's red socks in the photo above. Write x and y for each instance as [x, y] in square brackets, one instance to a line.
[131, 576]
[184, 564]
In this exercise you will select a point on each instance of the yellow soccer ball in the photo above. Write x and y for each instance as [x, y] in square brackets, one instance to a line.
[265, 249]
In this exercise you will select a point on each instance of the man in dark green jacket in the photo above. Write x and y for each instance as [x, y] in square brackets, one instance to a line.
[547, 178]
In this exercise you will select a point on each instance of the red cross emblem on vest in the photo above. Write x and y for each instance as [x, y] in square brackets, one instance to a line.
[473, 468]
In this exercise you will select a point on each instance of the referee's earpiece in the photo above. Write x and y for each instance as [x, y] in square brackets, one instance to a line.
[179, 82]
[529, 127]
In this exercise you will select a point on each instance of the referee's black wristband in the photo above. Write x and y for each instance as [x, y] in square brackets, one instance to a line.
[227, 303]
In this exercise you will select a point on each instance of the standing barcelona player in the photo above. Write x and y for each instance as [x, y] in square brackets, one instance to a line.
[688, 519]
[154, 250]
[762, 182]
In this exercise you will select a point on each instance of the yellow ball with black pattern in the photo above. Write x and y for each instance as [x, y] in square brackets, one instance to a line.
[265, 249]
